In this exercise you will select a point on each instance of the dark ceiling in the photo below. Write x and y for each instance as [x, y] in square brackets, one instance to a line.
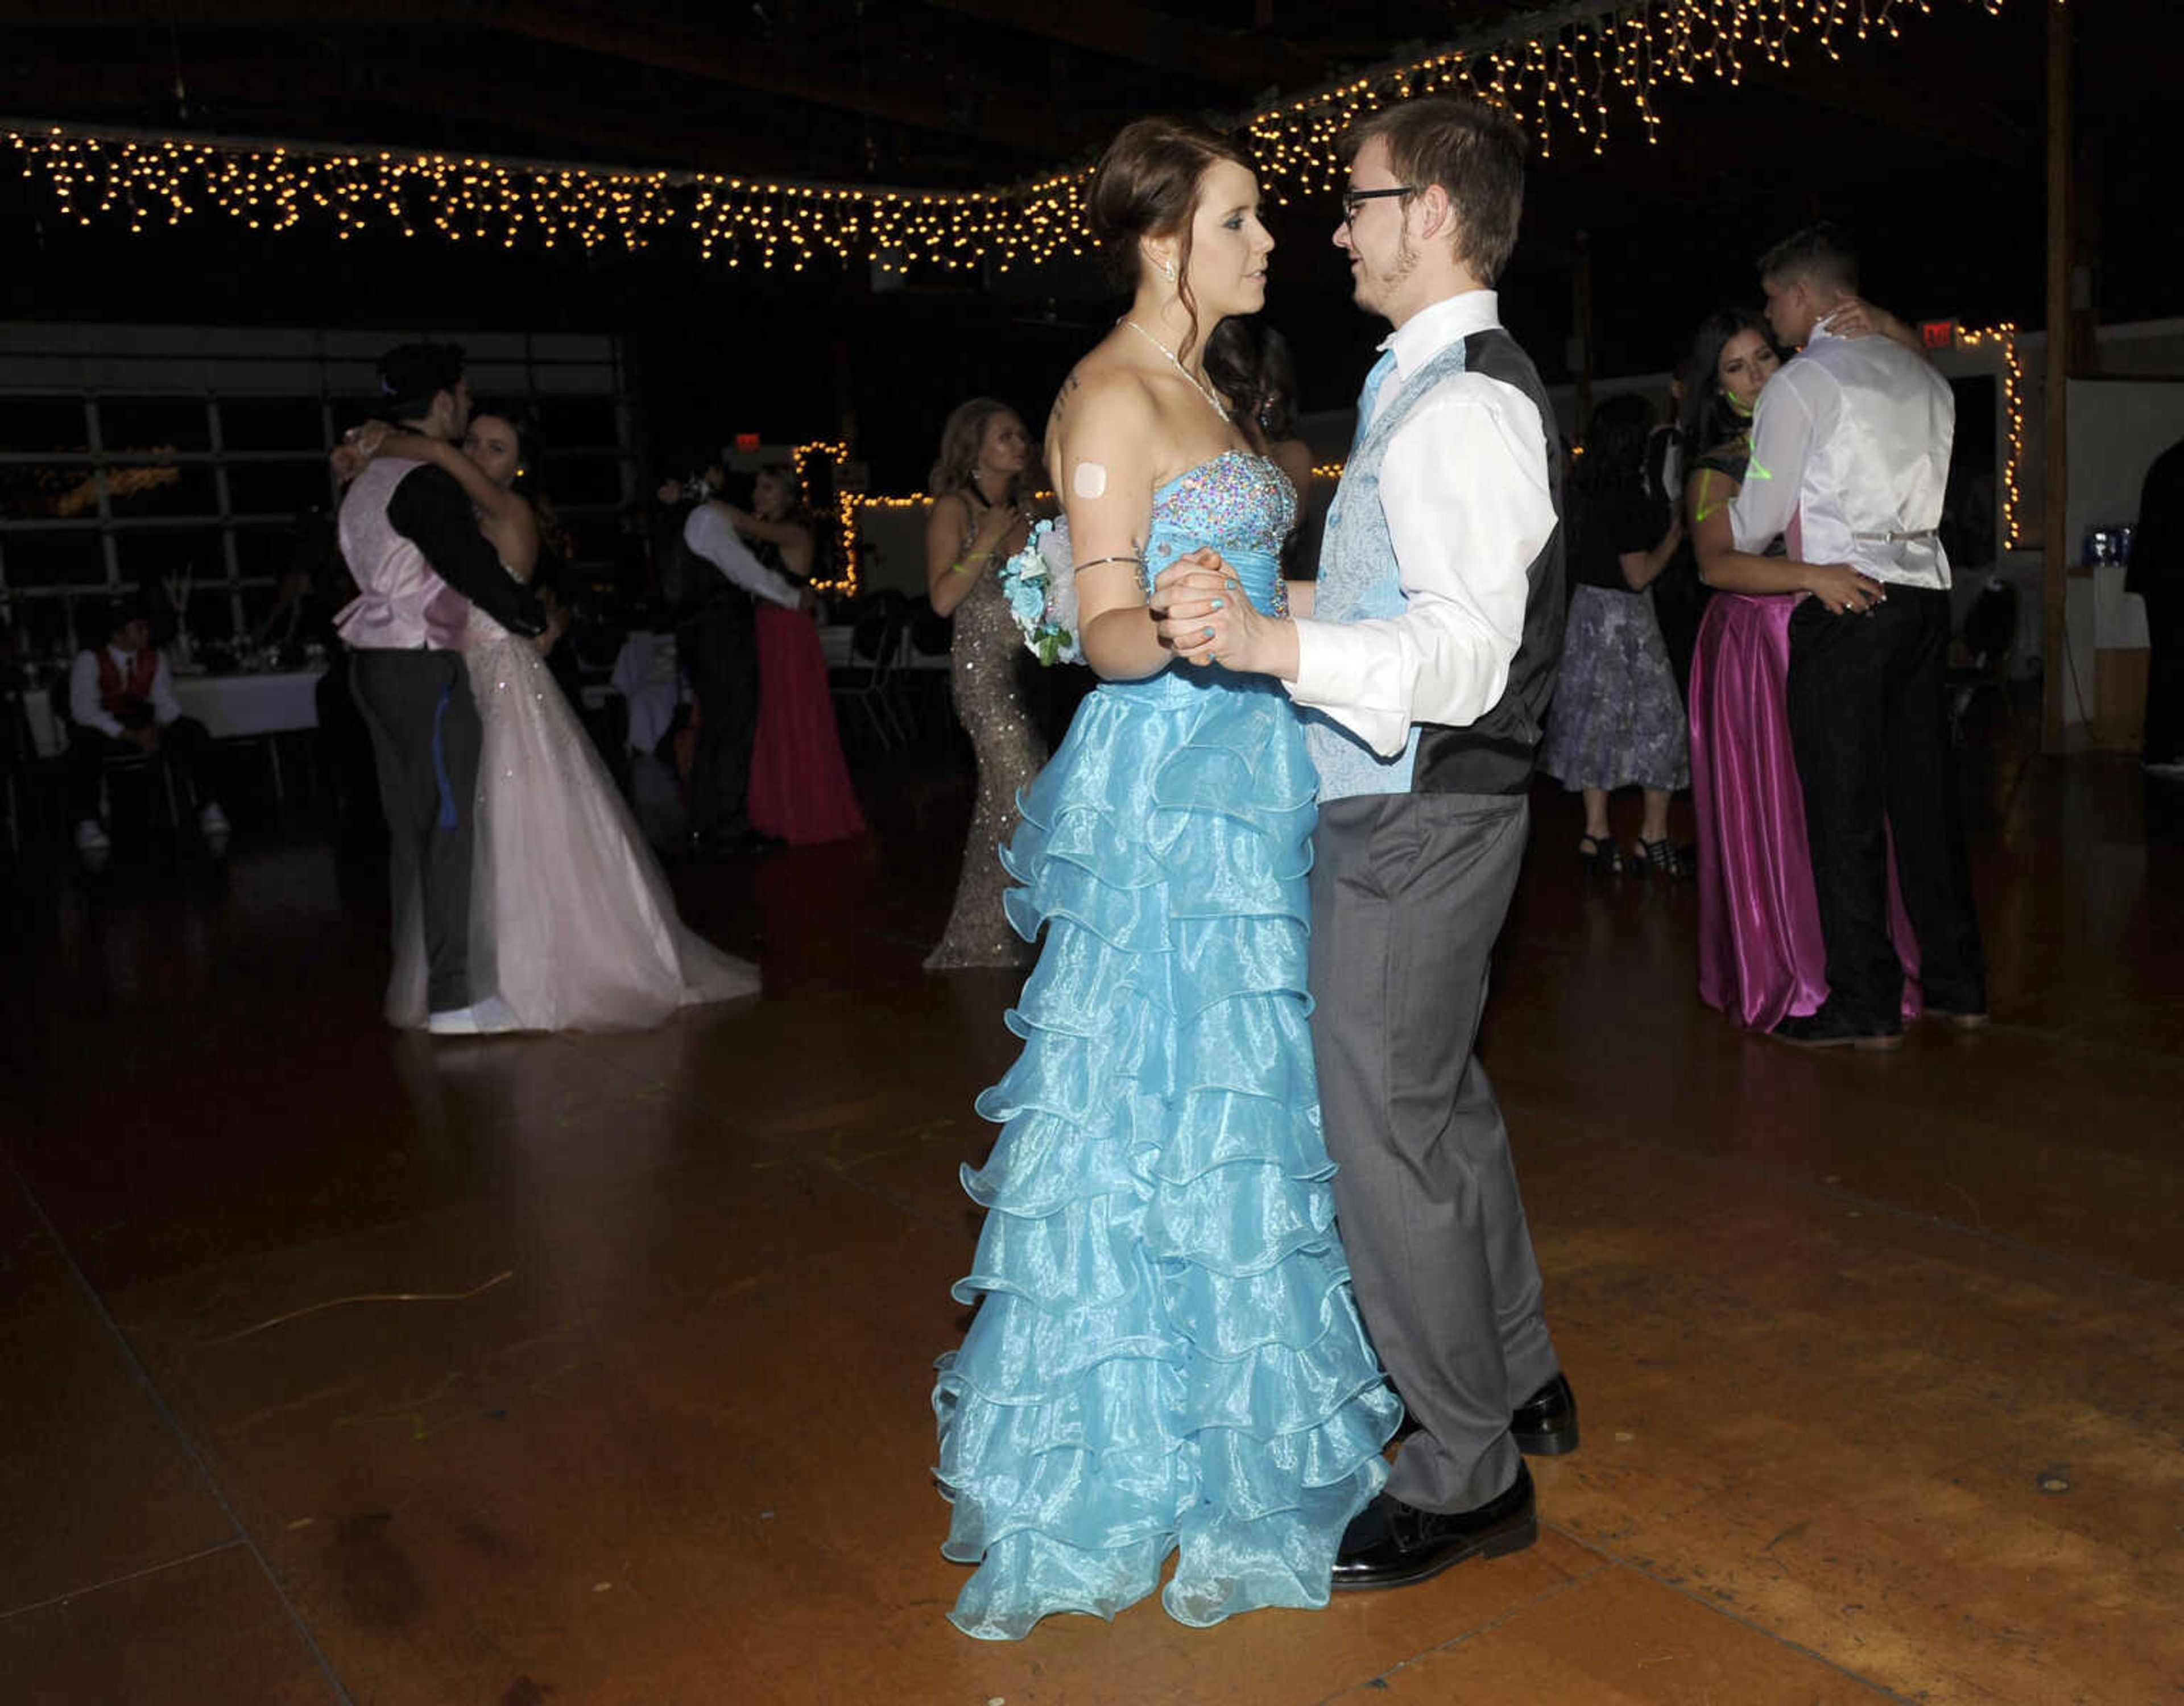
[1930, 146]
[916, 92]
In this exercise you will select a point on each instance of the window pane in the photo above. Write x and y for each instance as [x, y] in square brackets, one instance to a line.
[28, 490]
[575, 420]
[70, 559]
[583, 480]
[41, 634]
[157, 562]
[265, 554]
[153, 488]
[43, 423]
[272, 423]
[278, 488]
[212, 622]
[153, 423]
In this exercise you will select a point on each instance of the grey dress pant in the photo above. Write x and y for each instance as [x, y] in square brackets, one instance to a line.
[427, 740]
[1408, 894]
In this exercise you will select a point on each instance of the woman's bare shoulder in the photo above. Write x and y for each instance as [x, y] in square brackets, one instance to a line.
[1104, 385]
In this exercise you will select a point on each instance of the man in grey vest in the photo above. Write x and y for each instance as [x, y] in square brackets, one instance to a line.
[1423, 658]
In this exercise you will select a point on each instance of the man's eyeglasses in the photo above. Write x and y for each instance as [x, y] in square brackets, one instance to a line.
[1352, 199]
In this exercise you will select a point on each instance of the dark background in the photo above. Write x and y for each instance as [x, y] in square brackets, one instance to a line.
[1929, 147]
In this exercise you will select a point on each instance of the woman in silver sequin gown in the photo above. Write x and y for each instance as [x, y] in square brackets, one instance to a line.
[981, 516]
[568, 910]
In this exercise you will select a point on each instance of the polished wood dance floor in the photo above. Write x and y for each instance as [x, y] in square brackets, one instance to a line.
[342, 1366]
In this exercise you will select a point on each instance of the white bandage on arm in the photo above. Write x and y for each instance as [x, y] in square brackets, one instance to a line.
[1089, 481]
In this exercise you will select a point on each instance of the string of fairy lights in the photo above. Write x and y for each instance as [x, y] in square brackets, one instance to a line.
[2003, 338]
[1573, 82]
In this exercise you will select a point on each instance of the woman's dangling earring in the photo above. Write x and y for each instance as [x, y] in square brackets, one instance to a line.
[1168, 270]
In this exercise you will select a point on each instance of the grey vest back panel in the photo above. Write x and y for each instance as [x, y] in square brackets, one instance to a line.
[1494, 754]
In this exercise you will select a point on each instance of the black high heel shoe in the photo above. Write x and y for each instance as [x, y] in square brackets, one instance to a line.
[1664, 858]
[1596, 855]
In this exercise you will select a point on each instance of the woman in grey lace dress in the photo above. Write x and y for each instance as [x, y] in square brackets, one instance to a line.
[1617, 721]
[981, 516]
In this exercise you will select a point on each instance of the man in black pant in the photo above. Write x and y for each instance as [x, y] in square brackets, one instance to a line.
[412, 544]
[2156, 575]
[122, 704]
[716, 645]
[1850, 444]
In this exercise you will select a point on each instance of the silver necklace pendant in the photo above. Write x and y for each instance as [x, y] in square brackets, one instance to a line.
[1190, 378]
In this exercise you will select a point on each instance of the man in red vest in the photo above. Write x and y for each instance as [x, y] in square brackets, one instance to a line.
[121, 702]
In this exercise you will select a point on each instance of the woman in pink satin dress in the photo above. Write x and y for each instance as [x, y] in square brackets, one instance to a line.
[569, 910]
[1761, 956]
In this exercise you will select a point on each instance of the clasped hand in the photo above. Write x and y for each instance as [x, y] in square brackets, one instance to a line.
[1843, 590]
[1201, 614]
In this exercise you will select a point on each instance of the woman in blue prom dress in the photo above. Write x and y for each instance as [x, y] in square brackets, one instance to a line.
[1165, 1358]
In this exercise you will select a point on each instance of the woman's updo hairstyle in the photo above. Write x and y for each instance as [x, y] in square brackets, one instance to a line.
[1146, 186]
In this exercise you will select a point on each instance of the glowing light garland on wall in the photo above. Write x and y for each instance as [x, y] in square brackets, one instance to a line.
[1569, 82]
[2005, 336]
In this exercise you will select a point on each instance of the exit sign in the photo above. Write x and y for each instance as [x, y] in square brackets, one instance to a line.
[1938, 334]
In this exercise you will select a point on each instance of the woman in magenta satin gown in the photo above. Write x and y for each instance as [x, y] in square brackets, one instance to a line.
[1761, 956]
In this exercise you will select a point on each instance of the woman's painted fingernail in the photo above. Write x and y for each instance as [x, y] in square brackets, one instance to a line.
[1216, 604]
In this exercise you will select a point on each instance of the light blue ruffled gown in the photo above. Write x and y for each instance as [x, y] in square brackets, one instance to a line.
[1167, 1356]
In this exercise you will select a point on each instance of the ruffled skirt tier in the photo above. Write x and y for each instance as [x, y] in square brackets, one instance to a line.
[1166, 1358]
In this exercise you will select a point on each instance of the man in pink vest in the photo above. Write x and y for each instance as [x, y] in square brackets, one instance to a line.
[122, 703]
[412, 543]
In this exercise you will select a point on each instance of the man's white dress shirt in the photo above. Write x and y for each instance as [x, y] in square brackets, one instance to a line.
[1464, 485]
[713, 536]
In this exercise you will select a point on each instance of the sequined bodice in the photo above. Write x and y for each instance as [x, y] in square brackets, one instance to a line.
[1240, 504]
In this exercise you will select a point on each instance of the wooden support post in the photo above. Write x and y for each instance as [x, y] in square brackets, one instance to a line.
[1581, 334]
[2056, 551]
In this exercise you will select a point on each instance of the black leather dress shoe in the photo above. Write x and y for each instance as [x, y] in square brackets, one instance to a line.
[1391, 1544]
[1827, 1031]
[1545, 1426]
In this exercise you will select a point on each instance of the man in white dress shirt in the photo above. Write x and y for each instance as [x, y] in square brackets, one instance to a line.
[716, 643]
[1850, 461]
[1424, 656]
[122, 703]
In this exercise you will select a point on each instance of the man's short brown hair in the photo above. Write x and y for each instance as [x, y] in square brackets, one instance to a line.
[1820, 255]
[1473, 150]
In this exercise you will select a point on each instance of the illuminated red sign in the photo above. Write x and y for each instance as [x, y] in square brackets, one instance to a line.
[747, 441]
[1938, 334]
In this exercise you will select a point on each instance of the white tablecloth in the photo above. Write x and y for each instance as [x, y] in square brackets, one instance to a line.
[226, 705]
[272, 703]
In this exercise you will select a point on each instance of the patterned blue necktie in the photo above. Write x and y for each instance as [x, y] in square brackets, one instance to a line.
[1370, 396]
